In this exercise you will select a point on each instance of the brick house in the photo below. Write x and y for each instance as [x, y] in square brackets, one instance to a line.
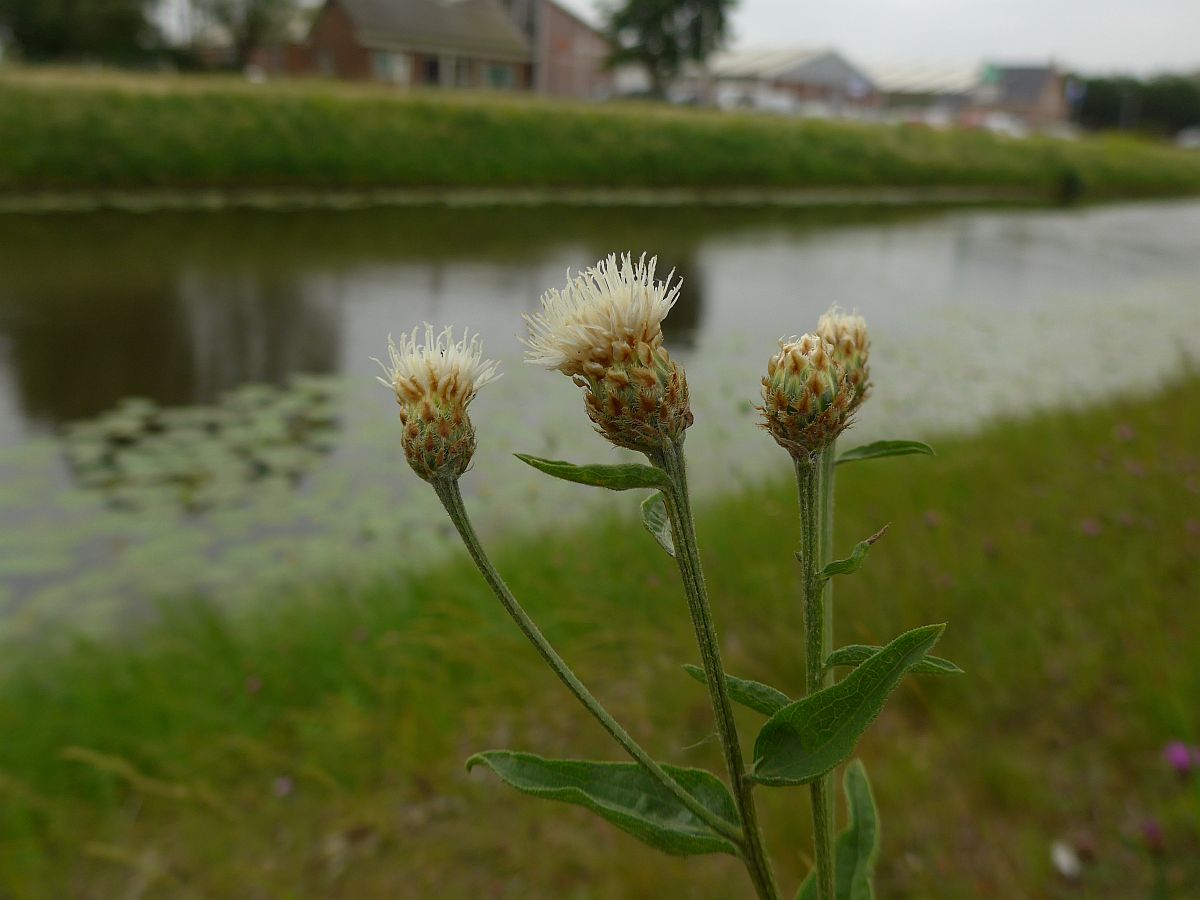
[569, 55]
[449, 43]
[1036, 95]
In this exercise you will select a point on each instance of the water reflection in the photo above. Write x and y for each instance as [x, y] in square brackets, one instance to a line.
[180, 307]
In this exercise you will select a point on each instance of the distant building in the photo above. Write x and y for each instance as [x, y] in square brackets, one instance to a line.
[569, 55]
[1034, 95]
[790, 80]
[927, 93]
[463, 43]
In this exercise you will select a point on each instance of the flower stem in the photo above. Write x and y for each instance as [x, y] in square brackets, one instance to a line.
[687, 554]
[816, 631]
[450, 495]
[828, 462]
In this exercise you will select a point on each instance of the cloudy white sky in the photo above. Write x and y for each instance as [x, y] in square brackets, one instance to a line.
[1093, 35]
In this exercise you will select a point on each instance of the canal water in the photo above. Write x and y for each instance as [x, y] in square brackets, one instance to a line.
[973, 314]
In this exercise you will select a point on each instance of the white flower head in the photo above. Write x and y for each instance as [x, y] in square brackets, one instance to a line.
[438, 368]
[613, 303]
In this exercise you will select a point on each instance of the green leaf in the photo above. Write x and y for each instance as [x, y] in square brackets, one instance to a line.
[857, 847]
[856, 654]
[618, 477]
[757, 696]
[854, 561]
[806, 739]
[625, 795]
[880, 449]
[658, 521]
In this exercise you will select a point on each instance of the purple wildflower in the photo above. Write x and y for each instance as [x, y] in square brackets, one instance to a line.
[1181, 758]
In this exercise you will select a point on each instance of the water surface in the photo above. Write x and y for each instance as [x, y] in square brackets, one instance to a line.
[973, 314]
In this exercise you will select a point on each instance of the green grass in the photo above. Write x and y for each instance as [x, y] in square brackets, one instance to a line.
[1062, 551]
[73, 132]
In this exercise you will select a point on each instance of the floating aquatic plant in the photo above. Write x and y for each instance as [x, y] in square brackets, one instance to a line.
[141, 455]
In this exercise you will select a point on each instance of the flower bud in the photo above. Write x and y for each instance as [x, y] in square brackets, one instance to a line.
[434, 382]
[807, 398]
[604, 329]
[851, 347]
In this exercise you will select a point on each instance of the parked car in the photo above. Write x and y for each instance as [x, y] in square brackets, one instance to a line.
[1189, 138]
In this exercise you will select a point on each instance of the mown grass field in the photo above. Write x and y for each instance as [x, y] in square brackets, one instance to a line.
[65, 131]
[316, 750]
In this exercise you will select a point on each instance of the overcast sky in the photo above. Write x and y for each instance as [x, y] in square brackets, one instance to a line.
[1092, 35]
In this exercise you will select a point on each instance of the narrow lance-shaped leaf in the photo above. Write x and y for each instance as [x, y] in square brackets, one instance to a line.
[856, 654]
[615, 477]
[625, 795]
[757, 696]
[854, 561]
[658, 521]
[857, 847]
[880, 449]
[806, 739]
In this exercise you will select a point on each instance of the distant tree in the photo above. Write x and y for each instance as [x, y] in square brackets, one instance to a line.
[1163, 105]
[249, 22]
[662, 35]
[1171, 103]
[41, 30]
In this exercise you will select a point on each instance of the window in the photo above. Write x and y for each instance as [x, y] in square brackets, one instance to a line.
[325, 62]
[393, 68]
[381, 62]
[431, 70]
[500, 76]
[462, 72]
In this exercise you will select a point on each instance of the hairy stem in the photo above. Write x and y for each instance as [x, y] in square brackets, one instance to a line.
[687, 554]
[808, 481]
[828, 462]
[451, 497]
[825, 493]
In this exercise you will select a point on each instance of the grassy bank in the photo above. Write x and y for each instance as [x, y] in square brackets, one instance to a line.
[73, 132]
[316, 750]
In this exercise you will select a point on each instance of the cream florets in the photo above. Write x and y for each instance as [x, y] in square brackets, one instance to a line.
[434, 381]
[806, 395]
[604, 329]
[612, 303]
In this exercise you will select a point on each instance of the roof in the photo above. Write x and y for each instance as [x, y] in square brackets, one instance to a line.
[480, 27]
[760, 62]
[1019, 84]
[820, 66]
[579, 17]
[925, 78]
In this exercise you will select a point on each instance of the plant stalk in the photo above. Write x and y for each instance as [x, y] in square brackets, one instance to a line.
[687, 555]
[816, 651]
[825, 491]
[450, 495]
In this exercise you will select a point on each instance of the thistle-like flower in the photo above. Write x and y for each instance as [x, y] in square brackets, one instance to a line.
[807, 396]
[852, 346]
[434, 381]
[604, 329]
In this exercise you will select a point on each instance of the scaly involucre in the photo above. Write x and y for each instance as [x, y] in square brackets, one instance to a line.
[807, 397]
[612, 303]
[434, 381]
[438, 368]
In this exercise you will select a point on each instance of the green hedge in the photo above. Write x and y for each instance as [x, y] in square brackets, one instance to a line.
[155, 133]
